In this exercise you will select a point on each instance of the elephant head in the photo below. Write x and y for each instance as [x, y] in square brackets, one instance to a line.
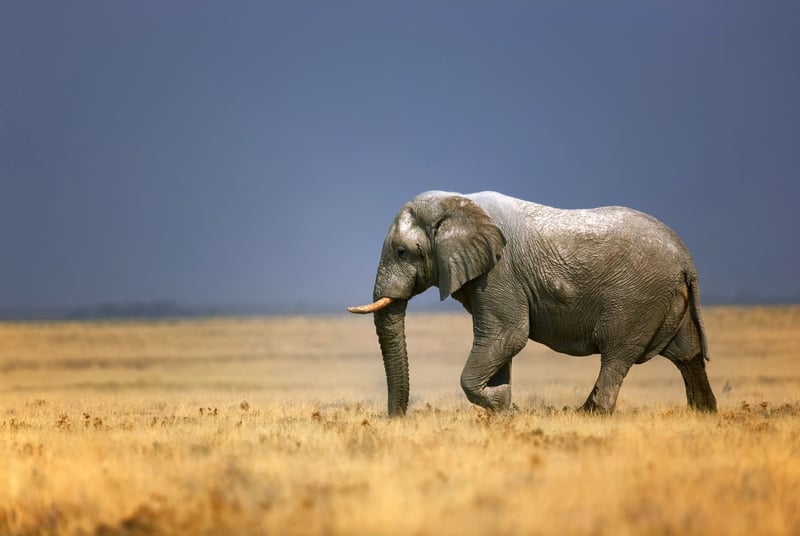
[437, 238]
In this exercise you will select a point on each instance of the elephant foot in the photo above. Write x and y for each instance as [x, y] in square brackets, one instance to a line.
[705, 409]
[594, 405]
[591, 408]
[496, 398]
[703, 402]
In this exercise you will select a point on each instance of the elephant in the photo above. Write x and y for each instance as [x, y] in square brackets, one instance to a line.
[609, 280]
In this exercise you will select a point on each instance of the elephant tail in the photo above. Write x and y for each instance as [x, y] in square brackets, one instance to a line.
[697, 316]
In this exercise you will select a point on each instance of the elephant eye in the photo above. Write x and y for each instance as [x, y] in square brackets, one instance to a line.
[401, 253]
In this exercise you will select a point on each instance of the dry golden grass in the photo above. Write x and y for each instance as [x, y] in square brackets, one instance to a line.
[263, 426]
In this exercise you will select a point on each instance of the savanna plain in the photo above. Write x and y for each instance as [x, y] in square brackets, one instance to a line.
[277, 426]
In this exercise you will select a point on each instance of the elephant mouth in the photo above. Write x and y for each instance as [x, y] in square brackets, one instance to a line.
[377, 305]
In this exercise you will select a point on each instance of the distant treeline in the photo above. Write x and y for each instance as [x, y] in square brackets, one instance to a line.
[170, 309]
[153, 310]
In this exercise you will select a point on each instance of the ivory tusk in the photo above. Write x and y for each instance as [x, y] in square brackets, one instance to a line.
[372, 307]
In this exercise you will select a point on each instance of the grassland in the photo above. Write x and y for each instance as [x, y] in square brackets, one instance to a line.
[277, 426]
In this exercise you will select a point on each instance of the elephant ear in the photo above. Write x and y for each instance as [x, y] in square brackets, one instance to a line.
[467, 244]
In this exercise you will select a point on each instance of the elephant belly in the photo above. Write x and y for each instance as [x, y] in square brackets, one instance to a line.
[569, 336]
[576, 348]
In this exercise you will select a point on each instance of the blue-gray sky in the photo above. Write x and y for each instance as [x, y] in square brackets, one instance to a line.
[256, 152]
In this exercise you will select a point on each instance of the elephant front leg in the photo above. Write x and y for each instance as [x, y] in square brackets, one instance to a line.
[486, 378]
[613, 369]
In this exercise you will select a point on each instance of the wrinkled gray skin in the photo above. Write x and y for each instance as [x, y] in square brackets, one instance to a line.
[608, 280]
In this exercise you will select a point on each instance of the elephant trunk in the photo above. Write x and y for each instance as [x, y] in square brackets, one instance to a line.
[390, 327]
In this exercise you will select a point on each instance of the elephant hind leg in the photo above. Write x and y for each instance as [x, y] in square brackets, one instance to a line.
[699, 395]
[686, 353]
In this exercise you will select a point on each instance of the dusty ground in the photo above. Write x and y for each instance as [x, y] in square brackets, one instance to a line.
[277, 426]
